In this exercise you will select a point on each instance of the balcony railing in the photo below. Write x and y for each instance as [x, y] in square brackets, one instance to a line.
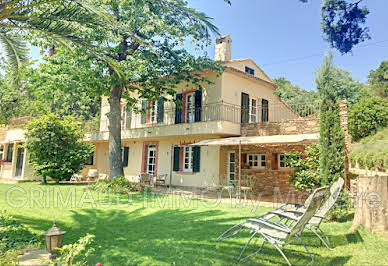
[171, 116]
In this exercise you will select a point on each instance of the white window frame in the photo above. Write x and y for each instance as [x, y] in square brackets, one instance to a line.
[188, 167]
[154, 112]
[259, 160]
[253, 110]
[279, 161]
[190, 110]
[153, 148]
[230, 168]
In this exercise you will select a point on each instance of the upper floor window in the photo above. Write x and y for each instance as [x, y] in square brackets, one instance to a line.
[190, 108]
[253, 111]
[249, 71]
[152, 111]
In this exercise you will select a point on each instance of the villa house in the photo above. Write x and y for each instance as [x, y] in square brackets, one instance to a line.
[235, 126]
[161, 141]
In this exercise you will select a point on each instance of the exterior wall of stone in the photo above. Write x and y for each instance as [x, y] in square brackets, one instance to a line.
[270, 180]
[308, 125]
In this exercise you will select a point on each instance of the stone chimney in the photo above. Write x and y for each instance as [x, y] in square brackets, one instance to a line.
[223, 48]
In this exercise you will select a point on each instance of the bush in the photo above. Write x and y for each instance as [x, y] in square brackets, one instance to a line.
[342, 209]
[367, 116]
[306, 169]
[119, 185]
[14, 235]
[75, 254]
[56, 148]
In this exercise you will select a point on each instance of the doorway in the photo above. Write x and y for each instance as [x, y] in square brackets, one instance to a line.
[151, 160]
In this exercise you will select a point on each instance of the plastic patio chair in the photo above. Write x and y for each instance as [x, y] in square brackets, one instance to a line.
[278, 233]
[291, 214]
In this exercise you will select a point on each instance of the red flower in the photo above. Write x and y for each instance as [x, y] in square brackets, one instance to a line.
[98, 264]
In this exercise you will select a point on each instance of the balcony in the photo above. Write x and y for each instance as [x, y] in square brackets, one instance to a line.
[219, 119]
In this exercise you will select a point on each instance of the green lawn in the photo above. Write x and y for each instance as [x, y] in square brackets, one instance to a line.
[145, 232]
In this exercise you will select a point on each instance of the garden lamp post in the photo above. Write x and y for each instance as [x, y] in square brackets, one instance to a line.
[54, 238]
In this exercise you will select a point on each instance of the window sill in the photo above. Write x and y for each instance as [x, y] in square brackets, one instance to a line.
[185, 173]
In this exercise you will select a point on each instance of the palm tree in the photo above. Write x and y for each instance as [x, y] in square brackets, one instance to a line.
[56, 20]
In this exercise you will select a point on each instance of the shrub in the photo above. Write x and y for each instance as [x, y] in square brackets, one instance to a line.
[119, 185]
[14, 235]
[306, 169]
[342, 209]
[75, 254]
[367, 116]
[55, 147]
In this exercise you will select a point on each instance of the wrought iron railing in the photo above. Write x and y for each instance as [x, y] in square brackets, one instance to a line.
[171, 116]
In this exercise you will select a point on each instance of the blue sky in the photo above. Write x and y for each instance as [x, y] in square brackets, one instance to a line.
[273, 32]
[284, 37]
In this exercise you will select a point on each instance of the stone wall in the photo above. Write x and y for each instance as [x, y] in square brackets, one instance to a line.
[307, 125]
[271, 180]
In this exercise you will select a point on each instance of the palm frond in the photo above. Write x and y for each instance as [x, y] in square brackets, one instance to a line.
[16, 54]
[191, 14]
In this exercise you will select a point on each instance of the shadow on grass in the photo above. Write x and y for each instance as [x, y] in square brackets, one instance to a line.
[169, 236]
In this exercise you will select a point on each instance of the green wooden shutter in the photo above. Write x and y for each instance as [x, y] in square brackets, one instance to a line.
[176, 159]
[197, 159]
[178, 110]
[143, 111]
[160, 110]
[125, 156]
[244, 108]
[198, 105]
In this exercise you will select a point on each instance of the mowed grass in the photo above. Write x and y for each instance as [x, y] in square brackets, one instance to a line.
[172, 230]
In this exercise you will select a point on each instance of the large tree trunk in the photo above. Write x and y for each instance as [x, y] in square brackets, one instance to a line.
[114, 116]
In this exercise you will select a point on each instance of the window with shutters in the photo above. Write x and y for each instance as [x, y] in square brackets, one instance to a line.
[187, 159]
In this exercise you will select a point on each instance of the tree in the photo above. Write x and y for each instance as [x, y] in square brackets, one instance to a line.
[344, 86]
[332, 137]
[342, 24]
[51, 90]
[55, 147]
[378, 80]
[149, 54]
[19, 18]
[303, 102]
[367, 116]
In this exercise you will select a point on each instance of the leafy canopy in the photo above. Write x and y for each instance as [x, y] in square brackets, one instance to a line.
[378, 80]
[55, 147]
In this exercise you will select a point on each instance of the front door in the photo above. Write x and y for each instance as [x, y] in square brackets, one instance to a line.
[151, 160]
[19, 161]
[232, 168]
